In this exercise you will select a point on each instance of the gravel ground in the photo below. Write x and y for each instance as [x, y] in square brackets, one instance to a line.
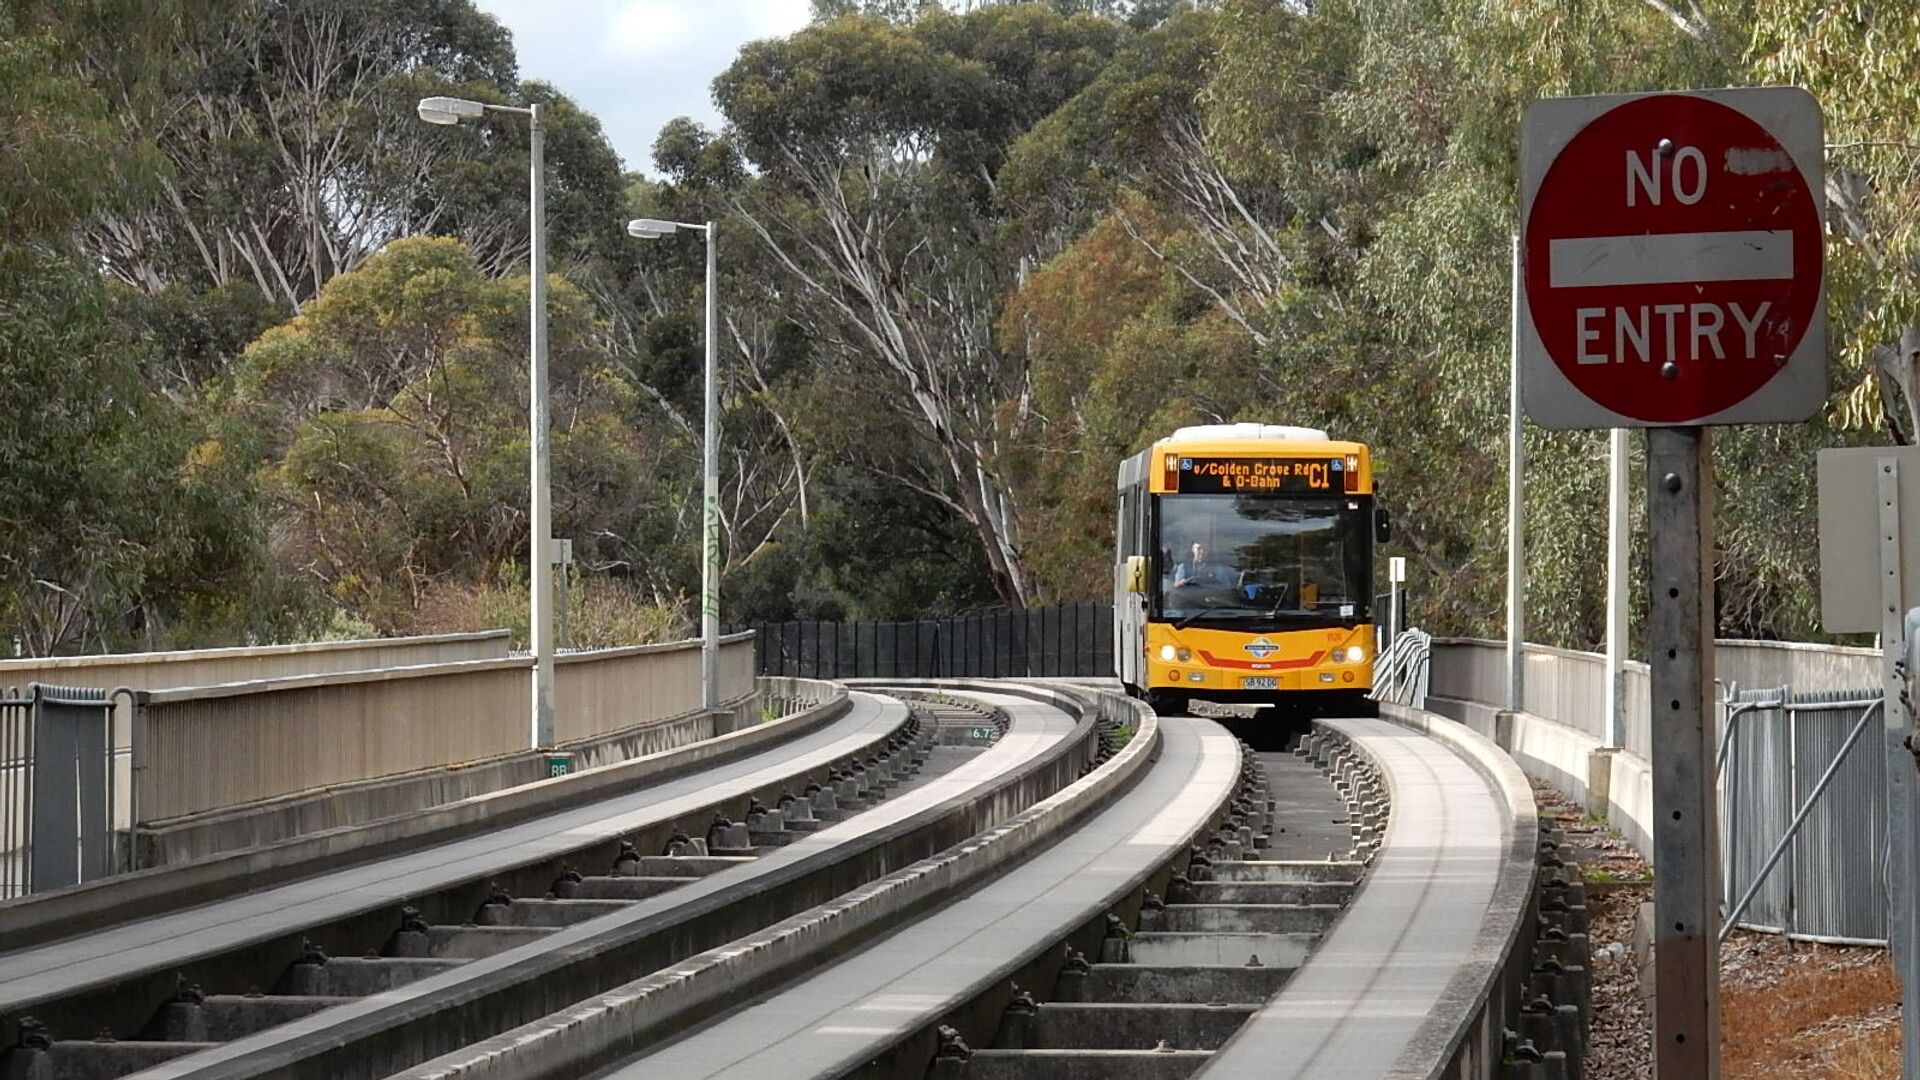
[1788, 1009]
[1620, 1033]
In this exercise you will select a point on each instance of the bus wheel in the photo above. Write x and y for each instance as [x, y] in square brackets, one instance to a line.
[1166, 704]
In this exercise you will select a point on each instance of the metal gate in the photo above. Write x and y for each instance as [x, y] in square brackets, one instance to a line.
[1803, 832]
[57, 803]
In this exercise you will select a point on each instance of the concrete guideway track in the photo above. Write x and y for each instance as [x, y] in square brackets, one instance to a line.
[74, 965]
[126, 981]
[1361, 1006]
[380, 1034]
[857, 1009]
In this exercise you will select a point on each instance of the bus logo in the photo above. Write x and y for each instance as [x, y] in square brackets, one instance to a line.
[1261, 648]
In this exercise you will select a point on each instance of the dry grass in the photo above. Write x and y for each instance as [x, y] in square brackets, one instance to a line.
[1809, 1011]
[1871, 1057]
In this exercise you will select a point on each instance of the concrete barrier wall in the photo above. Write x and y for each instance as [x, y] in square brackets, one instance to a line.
[205, 667]
[1568, 685]
[157, 888]
[169, 841]
[1616, 784]
[1753, 665]
[608, 690]
[1560, 736]
[218, 746]
[207, 748]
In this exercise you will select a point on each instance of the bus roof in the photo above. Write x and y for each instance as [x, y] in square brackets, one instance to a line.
[1233, 440]
[1224, 432]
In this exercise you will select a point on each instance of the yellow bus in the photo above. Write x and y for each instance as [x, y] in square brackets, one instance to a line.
[1245, 569]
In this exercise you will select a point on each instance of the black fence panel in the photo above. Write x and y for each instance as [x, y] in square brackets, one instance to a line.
[1066, 640]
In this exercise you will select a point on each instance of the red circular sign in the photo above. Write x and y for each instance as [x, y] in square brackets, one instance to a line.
[1672, 258]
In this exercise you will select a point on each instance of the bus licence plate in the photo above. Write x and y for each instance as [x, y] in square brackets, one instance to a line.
[1257, 682]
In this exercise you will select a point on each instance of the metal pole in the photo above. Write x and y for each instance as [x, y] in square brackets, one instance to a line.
[710, 538]
[1903, 910]
[1616, 701]
[1396, 581]
[541, 556]
[1903, 831]
[1686, 1025]
[1516, 517]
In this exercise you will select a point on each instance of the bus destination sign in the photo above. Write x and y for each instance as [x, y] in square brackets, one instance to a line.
[1235, 475]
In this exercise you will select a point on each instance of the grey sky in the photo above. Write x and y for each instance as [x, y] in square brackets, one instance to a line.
[637, 64]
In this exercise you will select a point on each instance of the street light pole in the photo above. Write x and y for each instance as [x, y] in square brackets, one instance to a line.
[541, 570]
[710, 516]
[653, 229]
[449, 111]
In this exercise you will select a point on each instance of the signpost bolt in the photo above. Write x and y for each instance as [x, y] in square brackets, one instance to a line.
[1669, 370]
[1665, 146]
[1672, 480]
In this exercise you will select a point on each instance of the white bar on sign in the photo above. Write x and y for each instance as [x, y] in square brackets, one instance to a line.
[1664, 258]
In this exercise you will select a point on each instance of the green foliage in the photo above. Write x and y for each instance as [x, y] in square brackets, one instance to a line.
[269, 332]
[389, 422]
[601, 611]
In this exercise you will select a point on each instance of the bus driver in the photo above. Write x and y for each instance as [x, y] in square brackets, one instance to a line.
[1199, 569]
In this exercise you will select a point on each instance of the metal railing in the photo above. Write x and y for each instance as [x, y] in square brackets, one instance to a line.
[1400, 672]
[1062, 640]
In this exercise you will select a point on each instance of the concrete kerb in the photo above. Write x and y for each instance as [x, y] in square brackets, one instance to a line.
[1463, 1035]
[61, 913]
[626, 1019]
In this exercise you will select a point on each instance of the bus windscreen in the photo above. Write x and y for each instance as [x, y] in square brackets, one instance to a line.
[1275, 561]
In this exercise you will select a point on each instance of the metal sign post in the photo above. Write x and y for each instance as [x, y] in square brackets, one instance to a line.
[1901, 826]
[1516, 515]
[1396, 581]
[1672, 275]
[1869, 578]
[1686, 855]
[1616, 705]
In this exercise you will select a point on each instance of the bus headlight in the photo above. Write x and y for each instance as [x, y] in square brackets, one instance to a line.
[1171, 654]
[1166, 653]
[1353, 654]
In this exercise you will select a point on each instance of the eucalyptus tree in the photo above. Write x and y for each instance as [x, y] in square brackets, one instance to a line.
[114, 532]
[878, 147]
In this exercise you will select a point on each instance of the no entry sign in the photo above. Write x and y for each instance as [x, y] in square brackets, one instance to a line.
[1672, 259]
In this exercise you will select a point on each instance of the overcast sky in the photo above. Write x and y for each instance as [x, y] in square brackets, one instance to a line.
[637, 64]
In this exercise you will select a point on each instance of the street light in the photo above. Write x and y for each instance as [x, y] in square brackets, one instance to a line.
[446, 110]
[654, 229]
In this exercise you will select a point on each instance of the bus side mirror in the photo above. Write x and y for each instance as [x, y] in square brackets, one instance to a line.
[1382, 526]
[1136, 573]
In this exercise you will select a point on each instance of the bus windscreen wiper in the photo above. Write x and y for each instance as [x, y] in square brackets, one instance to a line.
[1278, 611]
[1188, 620]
